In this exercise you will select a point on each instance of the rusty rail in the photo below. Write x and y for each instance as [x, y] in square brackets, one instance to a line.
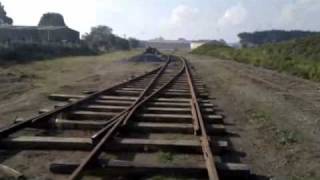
[198, 120]
[170, 100]
[127, 111]
[111, 128]
[6, 131]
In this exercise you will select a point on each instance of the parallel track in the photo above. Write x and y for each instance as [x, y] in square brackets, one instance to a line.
[137, 117]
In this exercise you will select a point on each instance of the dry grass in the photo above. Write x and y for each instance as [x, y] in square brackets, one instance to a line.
[278, 123]
[49, 74]
[24, 87]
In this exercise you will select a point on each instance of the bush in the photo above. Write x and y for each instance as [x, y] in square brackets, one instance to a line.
[23, 52]
[102, 39]
[299, 57]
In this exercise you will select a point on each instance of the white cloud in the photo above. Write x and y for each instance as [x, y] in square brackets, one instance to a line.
[300, 14]
[192, 19]
[235, 15]
[80, 15]
[110, 6]
[182, 21]
[182, 15]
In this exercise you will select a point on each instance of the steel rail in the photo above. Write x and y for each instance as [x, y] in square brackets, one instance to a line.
[147, 97]
[197, 115]
[6, 131]
[124, 113]
[108, 132]
[152, 95]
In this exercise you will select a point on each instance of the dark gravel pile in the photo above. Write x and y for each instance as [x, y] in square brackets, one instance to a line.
[145, 58]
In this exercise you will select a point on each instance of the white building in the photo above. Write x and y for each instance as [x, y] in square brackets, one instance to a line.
[168, 44]
[196, 44]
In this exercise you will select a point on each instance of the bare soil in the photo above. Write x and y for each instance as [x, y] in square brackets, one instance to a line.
[277, 117]
[24, 89]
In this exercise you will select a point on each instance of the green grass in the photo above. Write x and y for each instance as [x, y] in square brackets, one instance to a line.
[165, 157]
[299, 57]
[263, 121]
[287, 137]
[167, 178]
[259, 118]
[301, 178]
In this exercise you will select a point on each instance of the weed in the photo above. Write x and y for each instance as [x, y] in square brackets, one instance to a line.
[299, 178]
[262, 119]
[159, 178]
[165, 157]
[259, 118]
[167, 178]
[286, 137]
[299, 58]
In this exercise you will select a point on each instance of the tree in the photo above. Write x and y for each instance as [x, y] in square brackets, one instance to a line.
[4, 19]
[134, 43]
[273, 36]
[101, 38]
[122, 43]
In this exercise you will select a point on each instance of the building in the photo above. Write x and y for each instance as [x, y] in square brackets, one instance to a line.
[50, 33]
[37, 34]
[180, 44]
[168, 44]
[196, 44]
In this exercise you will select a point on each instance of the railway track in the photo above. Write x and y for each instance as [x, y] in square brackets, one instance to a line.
[158, 125]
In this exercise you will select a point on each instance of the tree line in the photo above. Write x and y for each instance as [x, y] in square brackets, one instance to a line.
[101, 38]
[272, 36]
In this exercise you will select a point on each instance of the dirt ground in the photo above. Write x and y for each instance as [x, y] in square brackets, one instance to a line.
[277, 117]
[24, 89]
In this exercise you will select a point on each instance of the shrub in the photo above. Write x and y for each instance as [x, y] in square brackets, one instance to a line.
[23, 52]
[286, 137]
[299, 57]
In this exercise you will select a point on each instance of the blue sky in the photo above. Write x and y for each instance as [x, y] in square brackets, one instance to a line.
[171, 19]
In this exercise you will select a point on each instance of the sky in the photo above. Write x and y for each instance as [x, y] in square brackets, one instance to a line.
[172, 19]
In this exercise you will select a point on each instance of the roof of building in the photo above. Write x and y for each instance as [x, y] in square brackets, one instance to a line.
[201, 41]
[168, 41]
[34, 27]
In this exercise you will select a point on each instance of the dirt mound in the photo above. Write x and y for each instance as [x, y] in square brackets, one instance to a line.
[147, 58]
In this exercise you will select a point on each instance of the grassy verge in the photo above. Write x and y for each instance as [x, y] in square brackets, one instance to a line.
[299, 57]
